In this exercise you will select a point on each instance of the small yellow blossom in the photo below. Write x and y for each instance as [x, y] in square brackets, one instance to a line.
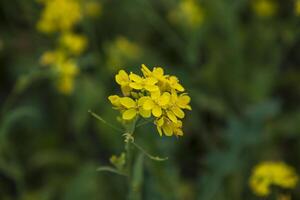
[133, 108]
[52, 57]
[264, 8]
[154, 94]
[267, 174]
[188, 13]
[156, 103]
[59, 15]
[122, 78]
[74, 43]
[140, 83]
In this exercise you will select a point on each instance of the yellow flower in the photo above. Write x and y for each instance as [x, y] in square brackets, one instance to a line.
[74, 43]
[133, 108]
[267, 174]
[174, 84]
[123, 80]
[169, 128]
[157, 103]
[59, 15]
[52, 57]
[188, 13]
[115, 101]
[182, 101]
[140, 83]
[153, 93]
[264, 8]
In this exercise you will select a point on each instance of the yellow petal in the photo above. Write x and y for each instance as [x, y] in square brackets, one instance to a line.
[167, 130]
[122, 77]
[129, 114]
[151, 88]
[171, 116]
[183, 101]
[150, 81]
[160, 122]
[145, 70]
[156, 111]
[145, 113]
[164, 99]
[136, 86]
[148, 104]
[159, 130]
[135, 78]
[158, 71]
[142, 100]
[114, 100]
[178, 112]
[126, 90]
[127, 102]
[179, 87]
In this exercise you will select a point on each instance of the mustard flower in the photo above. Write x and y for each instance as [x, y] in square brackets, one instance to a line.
[188, 13]
[153, 93]
[267, 174]
[59, 15]
[74, 43]
[122, 78]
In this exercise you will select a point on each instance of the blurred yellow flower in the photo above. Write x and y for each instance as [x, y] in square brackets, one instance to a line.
[154, 94]
[188, 13]
[74, 43]
[264, 8]
[59, 15]
[267, 174]
[121, 51]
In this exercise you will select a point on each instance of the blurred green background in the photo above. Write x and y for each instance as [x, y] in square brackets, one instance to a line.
[238, 60]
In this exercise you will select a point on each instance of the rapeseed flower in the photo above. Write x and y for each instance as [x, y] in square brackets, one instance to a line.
[59, 15]
[267, 174]
[153, 94]
[189, 13]
[74, 43]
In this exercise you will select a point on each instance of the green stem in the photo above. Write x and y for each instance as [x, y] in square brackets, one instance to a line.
[129, 158]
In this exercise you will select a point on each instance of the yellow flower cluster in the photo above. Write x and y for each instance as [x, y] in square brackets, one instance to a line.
[189, 13]
[61, 16]
[264, 8]
[153, 94]
[267, 174]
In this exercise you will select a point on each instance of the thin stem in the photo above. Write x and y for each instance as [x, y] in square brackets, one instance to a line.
[110, 169]
[129, 157]
[104, 122]
[156, 158]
